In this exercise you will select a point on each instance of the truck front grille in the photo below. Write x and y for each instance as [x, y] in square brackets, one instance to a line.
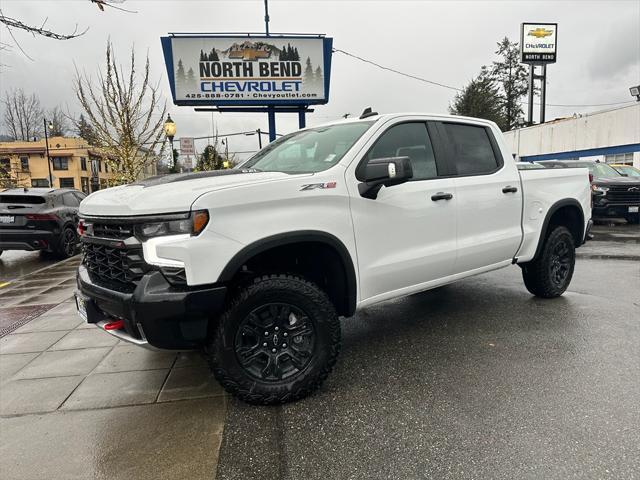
[124, 266]
[627, 194]
[105, 230]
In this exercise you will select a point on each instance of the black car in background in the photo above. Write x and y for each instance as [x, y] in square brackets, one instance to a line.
[613, 194]
[40, 219]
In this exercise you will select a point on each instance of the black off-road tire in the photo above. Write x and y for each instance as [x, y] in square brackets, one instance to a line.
[265, 302]
[549, 275]
[63, 249]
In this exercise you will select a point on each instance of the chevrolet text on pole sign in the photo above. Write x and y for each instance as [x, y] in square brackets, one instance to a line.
[248, 70]
[538, 43]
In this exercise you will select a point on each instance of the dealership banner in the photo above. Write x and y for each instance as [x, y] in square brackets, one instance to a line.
[538, 43]
[248, 70]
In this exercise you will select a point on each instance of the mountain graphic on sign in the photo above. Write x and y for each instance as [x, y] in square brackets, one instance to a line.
[251, 51]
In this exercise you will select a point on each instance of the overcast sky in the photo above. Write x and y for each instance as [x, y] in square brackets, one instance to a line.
[444, 41]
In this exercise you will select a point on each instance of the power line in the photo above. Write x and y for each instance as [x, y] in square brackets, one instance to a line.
[438, 84]
[415, 77]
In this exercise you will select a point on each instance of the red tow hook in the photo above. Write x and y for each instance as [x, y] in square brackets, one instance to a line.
[115, 325]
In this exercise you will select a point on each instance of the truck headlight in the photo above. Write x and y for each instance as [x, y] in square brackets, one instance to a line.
[192, 225]
[599, 190]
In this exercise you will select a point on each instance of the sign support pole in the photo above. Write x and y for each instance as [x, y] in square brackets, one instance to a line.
[530, 106]
[543, 92]
[302, 121]
[271, 114]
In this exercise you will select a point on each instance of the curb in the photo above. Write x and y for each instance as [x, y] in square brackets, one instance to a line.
[596, 256]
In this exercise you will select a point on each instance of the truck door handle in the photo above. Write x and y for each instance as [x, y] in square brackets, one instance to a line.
[441, 196]
[509, 189]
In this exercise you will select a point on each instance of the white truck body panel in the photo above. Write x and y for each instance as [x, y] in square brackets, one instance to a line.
[400, 243]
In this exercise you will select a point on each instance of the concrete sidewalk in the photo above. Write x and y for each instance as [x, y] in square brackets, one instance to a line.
[76, 402]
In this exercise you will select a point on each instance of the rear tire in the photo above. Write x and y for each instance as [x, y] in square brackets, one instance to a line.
[276, 342]
[549, 275]
[67, 243]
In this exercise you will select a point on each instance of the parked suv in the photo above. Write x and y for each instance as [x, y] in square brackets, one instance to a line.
[614, 194]
[255, 265]
[40, 219]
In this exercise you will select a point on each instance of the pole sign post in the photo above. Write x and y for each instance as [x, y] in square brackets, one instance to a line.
[248, 70]
[538, 43]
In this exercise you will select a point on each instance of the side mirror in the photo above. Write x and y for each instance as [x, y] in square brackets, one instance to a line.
[384, 171]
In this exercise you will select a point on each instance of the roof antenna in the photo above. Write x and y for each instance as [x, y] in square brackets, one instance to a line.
[368, 113]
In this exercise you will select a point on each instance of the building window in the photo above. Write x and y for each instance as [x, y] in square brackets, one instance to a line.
[103, 183]
[620, 158]
[39, 182]
[60, 163]
[67, 182]
[83, 163]
[96, 166]
[84, 184]
[106, 167]
[5, 166]
[24, 164]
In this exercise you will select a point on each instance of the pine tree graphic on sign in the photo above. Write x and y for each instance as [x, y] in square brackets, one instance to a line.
[180, 77]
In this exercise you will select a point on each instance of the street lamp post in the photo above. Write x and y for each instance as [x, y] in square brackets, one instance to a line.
[46, 144]
[170, 132]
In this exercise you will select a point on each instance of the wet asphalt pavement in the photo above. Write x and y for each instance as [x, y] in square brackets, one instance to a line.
[475, 380]
[16, 263]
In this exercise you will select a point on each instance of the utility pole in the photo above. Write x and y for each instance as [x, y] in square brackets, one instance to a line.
[259, 132]
[46, 143]
[266, 16]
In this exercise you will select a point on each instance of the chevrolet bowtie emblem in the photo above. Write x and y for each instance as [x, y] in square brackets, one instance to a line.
[540, 32]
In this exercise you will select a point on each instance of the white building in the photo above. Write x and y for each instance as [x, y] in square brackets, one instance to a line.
[611, 136]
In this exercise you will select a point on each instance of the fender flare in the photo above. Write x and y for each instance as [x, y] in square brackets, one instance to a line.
[300, 236]
[552, 210]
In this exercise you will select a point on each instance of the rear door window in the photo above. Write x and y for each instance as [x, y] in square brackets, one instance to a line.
[70, 200]
[471, 149]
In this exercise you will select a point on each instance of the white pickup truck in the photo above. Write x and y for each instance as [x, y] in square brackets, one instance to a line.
[256, 264]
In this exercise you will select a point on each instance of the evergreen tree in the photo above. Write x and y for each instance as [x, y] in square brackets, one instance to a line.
[180, 78]
[210, 159]
[283, 54]
[85, 131]
[213, 55]
[512, 79]
[308, 78]
[191, 77]
[481, 99]
[203, 56]
[318, 77]
[296, 55]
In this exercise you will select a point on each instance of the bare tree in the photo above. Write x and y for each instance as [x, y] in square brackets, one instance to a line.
[11, 23]
[22, 115]
[57, 122]
[121, 111]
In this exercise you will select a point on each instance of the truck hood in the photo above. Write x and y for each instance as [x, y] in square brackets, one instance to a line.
[169, 193]
[622, 181]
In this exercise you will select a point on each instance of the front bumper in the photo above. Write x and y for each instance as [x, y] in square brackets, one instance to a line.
[23, 239]
[157, 313]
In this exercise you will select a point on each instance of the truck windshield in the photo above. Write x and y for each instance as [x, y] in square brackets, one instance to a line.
[308, 151]
[601, 170]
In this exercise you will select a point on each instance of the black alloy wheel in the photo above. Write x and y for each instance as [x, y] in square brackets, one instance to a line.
[275, 341]
[68, 243]
[561, 259]
[550, 273]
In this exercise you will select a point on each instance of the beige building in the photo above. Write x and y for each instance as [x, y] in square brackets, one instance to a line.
[74, 164]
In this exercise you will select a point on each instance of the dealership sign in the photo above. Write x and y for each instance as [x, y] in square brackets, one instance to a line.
[248, 70]
[538, 43]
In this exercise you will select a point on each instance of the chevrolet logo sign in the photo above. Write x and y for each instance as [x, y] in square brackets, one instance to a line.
[540, 32]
